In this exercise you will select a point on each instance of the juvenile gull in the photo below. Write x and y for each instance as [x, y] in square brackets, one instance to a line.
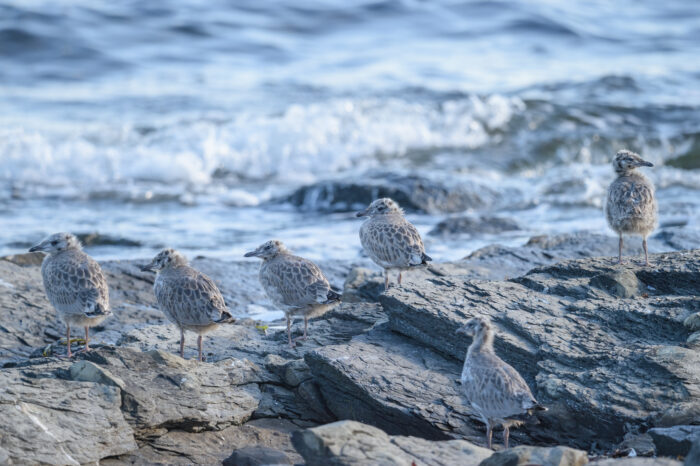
[294, 284]
[390, 240]
[631, 204]
[493, 388]
[188, 298]
[74, 284]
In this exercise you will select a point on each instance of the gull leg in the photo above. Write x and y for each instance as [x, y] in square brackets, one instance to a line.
[70, 353]
[619, 257]
[199, 347]
[399, 278]
[489, 434]
[386, 279]
[289, 331]
[182, 343]
[646, 252]
[306, 330]
[506, 435]
[87, 339]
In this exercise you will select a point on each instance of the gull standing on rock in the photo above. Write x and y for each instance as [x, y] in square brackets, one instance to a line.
[188, 298]
[74, 284]
[294, 284]
[631, 204]
[493, 388]
[390, 240]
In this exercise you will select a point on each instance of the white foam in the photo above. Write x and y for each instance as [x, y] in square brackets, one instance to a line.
[301, 144]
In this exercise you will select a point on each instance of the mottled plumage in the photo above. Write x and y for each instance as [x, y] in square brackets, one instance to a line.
[74, 283]
[188, 298]
[631, 205]
[390, 240]
[494, 389]
[294, 284]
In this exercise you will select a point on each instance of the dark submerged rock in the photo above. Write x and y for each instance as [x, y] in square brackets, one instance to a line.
[413, 193]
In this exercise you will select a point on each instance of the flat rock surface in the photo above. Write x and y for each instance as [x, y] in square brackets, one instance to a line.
[527, 455]
[353, 443]
[52, 421]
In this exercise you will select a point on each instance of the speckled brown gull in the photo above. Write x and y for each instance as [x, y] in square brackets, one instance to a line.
[390, 240]
[494, 389]
[631, 204]
[188, 298]
[294, 284]
[74, 284]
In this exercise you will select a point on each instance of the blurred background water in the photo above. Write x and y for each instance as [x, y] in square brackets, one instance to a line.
[189, 123]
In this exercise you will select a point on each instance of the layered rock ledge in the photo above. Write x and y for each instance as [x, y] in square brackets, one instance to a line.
[614, 351]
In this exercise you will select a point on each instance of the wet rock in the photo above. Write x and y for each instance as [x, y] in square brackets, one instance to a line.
[353, 443]
[413, 193]
[527, 455]
[622, 284]
[674, 441]
[638, 461]
[692, 322]
[678, 238]
[454, 226]
[568, 339]
[211, 447]
[46, 420]
[25, 259]
[685, 413]
[637, 445]
[256, 456]
[99, 239]
[363, 284]
[693, 457]
[292, 373]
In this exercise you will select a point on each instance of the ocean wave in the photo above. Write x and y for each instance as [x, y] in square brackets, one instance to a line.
[301, 144]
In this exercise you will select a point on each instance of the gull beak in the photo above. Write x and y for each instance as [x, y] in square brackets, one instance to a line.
[461, 330]
[361, 213]
[250, 254]
[36, 248]
[147, 268]
[644, 163]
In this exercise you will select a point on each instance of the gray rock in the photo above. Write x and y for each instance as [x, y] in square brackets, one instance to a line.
[638, 461]
[674, 441]
[159, 389]
[46, 420]
[353, 443]
[622, 284]
[641, 444]
[363, 284]
[678, 238]
[693, 458]
[685, 413]
[256, 456]
[384, 379]
[568, 339]
[527, 455]
[413, 193]
[454, 226]
[211, 447]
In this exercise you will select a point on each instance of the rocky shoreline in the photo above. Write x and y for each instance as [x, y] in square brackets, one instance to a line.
[613, 351]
